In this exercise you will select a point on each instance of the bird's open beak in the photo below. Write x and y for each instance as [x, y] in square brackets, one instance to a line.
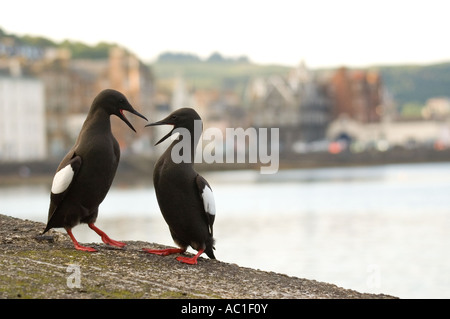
[131, 110]
[162, 122]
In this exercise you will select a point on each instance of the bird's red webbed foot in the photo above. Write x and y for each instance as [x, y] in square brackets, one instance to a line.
[190, 260]
[84, 248]
[105, 237]
[77, 245]
[164, 252]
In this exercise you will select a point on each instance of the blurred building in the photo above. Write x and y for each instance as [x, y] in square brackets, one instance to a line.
[299, 104]
[363, 110]
[358, 94]
[218, 108]
[384, 135]
[72, 84]
[22, 120]
[437, 108]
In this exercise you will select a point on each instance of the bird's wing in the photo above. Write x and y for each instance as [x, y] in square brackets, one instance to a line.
[209, 204]
[62, 180]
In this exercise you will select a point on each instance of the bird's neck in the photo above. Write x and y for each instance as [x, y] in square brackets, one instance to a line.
[98, 119]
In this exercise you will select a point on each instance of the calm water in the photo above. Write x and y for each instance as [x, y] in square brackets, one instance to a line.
[381, 229]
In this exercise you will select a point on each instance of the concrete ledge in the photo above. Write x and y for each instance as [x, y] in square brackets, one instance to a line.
[51, 268]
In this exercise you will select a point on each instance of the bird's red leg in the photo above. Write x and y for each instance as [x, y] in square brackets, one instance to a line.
[190, 260]
[164, 252]
[76, 244]
[105, 237]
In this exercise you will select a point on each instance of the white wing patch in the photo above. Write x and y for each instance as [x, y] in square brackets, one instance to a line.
[208, 200]
[62, 179]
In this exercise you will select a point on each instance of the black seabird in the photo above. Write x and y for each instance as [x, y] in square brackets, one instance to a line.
[85, 174]
[184, 197]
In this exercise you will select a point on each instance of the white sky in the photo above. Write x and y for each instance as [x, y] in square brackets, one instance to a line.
[324, 33]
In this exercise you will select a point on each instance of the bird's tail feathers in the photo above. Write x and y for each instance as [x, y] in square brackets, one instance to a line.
[209, 249]
[46, 229]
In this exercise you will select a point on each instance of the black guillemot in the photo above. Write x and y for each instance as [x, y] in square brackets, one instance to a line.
[185, 198]
[84, 176]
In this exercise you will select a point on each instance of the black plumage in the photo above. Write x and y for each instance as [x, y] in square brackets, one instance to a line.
[184, 197]
[84, 176]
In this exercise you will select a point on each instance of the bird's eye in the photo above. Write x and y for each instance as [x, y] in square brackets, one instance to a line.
[173, 117]
[121, 100]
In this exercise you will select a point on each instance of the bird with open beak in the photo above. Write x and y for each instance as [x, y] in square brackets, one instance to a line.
[84, 176]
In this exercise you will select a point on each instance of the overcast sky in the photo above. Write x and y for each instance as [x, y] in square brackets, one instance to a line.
[323, 33]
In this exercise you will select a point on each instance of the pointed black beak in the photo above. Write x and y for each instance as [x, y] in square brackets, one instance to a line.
[162, 122]
[133, 111]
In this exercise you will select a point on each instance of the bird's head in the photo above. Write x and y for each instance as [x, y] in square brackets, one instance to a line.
[116, 103]
[184, 117]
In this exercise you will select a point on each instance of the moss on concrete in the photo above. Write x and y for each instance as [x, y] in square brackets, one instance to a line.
[44, 267]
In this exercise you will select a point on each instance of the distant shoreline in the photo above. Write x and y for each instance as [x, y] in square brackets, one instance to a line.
[134, 169]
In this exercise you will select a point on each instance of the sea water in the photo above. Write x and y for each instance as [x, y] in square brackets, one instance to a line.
[379, 229]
